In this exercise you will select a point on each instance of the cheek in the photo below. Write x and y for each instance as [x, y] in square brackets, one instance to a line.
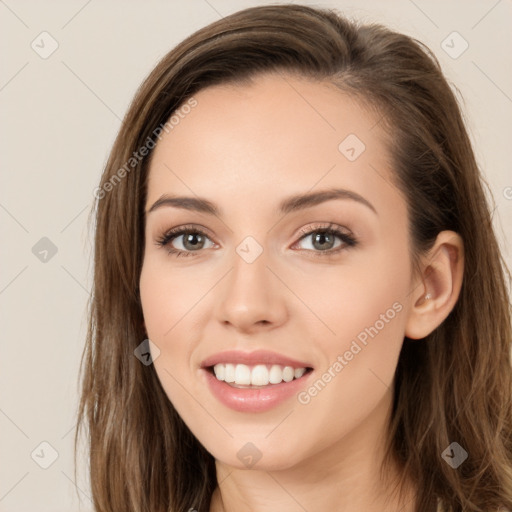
[172, 300]
[168, 295]
[366, 313]
[165, 300]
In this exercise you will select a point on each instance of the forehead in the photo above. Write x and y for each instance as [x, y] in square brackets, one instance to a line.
[277, 134]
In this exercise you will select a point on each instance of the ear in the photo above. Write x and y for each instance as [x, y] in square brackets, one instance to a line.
[442, 270]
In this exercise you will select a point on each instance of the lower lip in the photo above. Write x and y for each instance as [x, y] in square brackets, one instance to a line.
[254, 399]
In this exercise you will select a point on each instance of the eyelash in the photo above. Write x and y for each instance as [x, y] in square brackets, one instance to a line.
[348, 240]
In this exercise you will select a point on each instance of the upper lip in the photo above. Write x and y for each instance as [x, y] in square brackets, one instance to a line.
[252, 358]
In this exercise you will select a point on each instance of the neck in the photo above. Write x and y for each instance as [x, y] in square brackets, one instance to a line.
[345, 477]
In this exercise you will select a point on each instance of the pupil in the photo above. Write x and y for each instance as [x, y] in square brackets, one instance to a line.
[322, 237]
[190, 237]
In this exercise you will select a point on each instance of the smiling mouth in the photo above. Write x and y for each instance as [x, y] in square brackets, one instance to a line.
[257, 376]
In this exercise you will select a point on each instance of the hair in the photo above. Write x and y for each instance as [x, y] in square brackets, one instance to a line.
[453, 385]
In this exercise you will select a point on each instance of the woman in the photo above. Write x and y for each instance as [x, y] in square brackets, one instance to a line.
[299, 301]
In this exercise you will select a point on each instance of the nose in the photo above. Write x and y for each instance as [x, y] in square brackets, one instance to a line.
[252, 298]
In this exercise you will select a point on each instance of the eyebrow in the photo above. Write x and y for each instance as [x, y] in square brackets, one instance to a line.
[291, 204]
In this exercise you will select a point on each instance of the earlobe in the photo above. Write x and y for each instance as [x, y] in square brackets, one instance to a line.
[438, 287]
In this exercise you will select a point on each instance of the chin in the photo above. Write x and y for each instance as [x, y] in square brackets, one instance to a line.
[256, 455]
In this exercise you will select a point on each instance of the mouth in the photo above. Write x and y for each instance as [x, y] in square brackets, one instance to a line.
[255, 388]
[259, 376]
[254, 381]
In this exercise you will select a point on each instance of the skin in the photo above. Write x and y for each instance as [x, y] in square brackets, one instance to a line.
[246, 148]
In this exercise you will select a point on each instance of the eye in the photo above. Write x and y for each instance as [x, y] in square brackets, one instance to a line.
[323, 240]
[190, 238]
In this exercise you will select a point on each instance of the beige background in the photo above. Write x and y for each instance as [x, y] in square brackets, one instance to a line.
[60, 115]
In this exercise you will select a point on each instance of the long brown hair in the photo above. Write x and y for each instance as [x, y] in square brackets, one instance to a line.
[454, 385]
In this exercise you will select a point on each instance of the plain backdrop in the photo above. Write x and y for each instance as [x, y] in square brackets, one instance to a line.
[69, 70]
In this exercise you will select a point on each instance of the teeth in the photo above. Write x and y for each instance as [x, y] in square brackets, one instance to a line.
[276, 374]
[229, 374]
[299, 372]
[242, 374]
[220, 371]
[259, 375]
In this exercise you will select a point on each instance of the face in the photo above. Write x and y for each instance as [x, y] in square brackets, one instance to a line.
[266, 285]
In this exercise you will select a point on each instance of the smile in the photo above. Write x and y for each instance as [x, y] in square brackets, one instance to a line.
[254, 398]
[259, 375]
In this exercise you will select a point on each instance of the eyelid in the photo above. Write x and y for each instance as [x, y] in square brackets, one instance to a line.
[344, 234]
[178, 231]
[319, 226]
